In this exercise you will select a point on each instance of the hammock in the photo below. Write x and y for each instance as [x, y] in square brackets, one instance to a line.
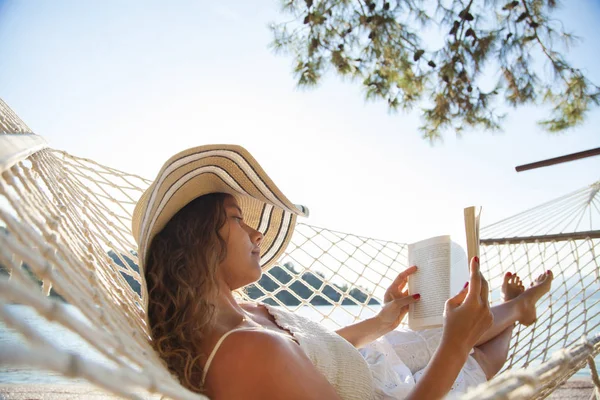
[65, 226]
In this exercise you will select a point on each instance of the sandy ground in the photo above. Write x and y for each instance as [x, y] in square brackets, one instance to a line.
[58, 391]
[575, 389]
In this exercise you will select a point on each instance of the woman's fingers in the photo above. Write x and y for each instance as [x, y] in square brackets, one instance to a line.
[485, 291]
[405, 301]
[465, 322]
[395, 289]
[394, 311]
[475, 280]
[402, 277]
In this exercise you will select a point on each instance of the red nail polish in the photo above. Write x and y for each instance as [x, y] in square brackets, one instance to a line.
[476, 259]
[508, 274]
[466, 284]
[548, 272]
[416, 296]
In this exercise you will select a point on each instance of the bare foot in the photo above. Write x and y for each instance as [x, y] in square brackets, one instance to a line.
[512, 286]
[529, 297]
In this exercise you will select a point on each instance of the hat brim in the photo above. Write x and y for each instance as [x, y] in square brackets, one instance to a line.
[211, 169]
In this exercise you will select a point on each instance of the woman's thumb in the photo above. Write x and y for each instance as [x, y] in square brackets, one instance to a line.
[404, 301]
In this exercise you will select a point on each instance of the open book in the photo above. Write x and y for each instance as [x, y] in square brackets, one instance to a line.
[434, 259]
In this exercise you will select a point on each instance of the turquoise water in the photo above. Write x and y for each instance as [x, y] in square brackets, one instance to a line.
[65, 339]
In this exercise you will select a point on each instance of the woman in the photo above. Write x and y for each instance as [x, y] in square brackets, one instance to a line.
[212, 221]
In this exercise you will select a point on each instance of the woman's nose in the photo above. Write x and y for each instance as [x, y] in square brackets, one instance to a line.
[257, 237]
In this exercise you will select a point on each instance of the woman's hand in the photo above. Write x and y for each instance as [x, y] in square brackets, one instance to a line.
[396, 301]
[467, 315]
[395, 307]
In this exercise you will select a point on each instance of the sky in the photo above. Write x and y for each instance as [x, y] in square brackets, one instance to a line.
[128, 84]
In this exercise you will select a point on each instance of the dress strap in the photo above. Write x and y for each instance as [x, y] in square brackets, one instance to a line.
[219, 342]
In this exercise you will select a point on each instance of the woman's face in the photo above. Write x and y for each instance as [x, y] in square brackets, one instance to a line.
[242, 264]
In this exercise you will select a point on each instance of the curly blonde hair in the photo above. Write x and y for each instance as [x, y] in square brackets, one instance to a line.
[181, 276]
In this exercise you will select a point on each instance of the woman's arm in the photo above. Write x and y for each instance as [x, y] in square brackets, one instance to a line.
[363, 332]
[440, 374]
[467, 317]
[395, 307]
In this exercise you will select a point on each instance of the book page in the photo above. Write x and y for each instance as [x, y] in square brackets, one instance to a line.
[431, 281]
[472, 215]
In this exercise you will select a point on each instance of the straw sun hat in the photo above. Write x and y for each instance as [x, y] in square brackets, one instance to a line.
[210, 169]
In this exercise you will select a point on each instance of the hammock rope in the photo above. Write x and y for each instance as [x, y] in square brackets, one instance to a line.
[65, 229]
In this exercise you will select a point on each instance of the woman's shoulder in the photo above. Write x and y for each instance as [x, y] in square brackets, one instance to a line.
[244, 347]
[253, 340]
[247, 356]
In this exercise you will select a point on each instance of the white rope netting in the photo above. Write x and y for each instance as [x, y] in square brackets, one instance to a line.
[63, 222]
[561, 235]
[66, 221]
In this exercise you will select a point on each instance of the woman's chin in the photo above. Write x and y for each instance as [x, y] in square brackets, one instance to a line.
[250, 280]
[253, 275]
[258, 274]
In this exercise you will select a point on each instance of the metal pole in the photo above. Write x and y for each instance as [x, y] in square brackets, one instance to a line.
[558, 160]
[542, 238]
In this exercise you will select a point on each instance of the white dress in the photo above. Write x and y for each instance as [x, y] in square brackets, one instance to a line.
[395, 362]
